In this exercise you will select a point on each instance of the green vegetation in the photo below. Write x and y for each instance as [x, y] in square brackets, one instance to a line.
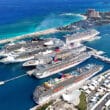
[44, 106]
[83, 103]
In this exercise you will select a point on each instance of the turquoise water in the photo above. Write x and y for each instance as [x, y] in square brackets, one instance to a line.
[103, 43]
[36, 24]
[21, 17]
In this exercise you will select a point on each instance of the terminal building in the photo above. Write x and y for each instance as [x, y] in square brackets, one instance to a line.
[92, 13]
[107, 105]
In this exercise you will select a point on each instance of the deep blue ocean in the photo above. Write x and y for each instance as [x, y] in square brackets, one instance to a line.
[19, 17]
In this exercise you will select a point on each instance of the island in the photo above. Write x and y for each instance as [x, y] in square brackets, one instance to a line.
[94, 18]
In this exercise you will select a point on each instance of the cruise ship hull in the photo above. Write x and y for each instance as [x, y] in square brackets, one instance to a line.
[74, 85]
[47, 74]
[79, 37]
[87, 38]
[32, 63]
[7, 61]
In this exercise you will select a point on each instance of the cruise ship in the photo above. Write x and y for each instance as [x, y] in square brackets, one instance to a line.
[29, 52]
[57, 66]
[56, 87]
[59, 53]
[43, 59]
[81, 36]
[23, 57]
[15, 49]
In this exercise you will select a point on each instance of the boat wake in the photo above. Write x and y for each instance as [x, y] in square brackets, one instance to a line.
[95, 38]
[12, 79]
[51, 21]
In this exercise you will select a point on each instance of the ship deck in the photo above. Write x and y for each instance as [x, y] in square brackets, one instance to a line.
[41, 91]
[73, 58]
[80, 35]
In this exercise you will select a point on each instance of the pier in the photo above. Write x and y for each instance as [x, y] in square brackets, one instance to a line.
[34, 34]
[103, 58]
[98, 55]
[95, 51]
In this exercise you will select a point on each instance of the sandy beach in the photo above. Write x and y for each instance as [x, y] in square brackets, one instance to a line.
[73, 14]
[34, 34]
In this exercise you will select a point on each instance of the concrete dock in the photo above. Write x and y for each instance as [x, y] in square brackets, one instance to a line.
[97, 55]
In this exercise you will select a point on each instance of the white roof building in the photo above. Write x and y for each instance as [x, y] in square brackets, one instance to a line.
[72, 97]
[108, 103]
[92, 87]
[85, 87]
[88, 91]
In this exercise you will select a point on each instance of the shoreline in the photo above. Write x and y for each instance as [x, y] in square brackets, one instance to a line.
[38, 33]
[75, 14]
[82, 16]
[30, 35]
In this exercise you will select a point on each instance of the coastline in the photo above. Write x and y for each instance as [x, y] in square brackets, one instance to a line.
[74, 14]
[42, 32]
[82, 16]
[34, 34]
[24, 17]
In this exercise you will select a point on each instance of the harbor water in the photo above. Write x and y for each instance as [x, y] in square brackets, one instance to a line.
[21, 17]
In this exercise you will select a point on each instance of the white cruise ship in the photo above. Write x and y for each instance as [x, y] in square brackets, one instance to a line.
[46, 58]
[12, 59]
[29, 46]
[22, 57]
[43, 71]
[35, 62]
[81, 36]
[54, 88]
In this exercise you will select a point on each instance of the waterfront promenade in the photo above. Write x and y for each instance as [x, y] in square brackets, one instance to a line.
[34, 34]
